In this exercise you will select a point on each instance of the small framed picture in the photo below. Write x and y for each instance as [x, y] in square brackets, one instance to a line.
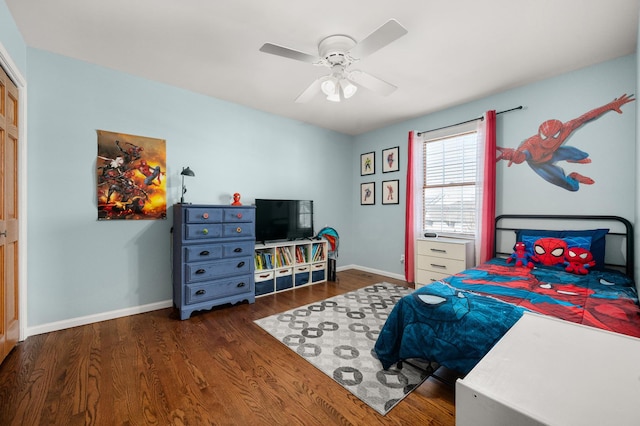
[391, 159]
[390, 192]
[367, 193]
[367, 163]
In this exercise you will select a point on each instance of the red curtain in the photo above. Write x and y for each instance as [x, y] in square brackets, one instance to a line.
[409, 233]
[487, 205]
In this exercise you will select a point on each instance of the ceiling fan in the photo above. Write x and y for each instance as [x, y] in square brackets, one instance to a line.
[338, 52]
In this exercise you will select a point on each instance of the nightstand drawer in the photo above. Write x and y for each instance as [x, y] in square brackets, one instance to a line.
[440, 264]
[427, 277]
[446, 249]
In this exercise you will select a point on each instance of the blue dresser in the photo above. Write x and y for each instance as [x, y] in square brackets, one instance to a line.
[213, 250]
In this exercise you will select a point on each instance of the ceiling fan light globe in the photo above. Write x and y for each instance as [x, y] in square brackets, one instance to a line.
[334, 97]
[329, 86]
[348, 89]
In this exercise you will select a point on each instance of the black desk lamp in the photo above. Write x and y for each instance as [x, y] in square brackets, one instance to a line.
[185, 172]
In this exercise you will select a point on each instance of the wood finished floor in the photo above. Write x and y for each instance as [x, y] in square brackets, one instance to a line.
[216, 368]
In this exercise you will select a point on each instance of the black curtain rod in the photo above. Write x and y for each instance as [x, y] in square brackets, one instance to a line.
[468, 121]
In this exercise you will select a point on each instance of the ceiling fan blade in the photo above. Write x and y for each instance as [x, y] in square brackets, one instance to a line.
[372, 83]
[285, 52]
[310, 92]
[390, 31]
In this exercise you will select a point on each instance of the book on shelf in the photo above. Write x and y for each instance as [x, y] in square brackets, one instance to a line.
[301, 254]
[318, 252]
[263, 260]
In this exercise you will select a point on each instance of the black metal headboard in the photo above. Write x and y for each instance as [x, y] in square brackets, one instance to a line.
[619, 228]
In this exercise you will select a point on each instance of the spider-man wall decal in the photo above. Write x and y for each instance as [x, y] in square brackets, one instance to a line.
[544, 150]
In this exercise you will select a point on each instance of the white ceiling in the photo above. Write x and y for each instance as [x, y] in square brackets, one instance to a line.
[455, 51]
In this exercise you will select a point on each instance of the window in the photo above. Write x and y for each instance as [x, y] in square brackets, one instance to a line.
[449, 183]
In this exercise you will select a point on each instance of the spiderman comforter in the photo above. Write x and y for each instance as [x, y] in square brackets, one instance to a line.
[456, 321]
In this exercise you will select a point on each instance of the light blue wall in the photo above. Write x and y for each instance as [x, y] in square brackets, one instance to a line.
[11, 39]
[78, 266]
[610, 141]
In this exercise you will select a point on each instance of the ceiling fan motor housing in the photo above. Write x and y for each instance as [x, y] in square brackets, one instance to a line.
[334, 49]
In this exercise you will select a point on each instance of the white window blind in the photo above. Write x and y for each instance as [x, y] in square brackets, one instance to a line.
[449, 190]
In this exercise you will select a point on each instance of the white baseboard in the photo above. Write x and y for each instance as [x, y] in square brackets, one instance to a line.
[371, 270]
[89, 319]
[104, 316]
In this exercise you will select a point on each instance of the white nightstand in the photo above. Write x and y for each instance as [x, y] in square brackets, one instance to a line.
[440, 257]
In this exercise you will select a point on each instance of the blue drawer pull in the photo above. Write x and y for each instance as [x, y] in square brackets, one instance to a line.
[200, 271]
[238, 250]
[204, 253]
[240, 285]
[200, 292]
[240, 265]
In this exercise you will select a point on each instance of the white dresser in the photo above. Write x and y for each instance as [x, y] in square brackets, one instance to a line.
[546, 371]
[440, 257]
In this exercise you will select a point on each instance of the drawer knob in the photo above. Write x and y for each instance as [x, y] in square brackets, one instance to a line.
[240, 265]
[205, 215]
[237, 250]
[241, 285]
[263, 276]
[239, 215]
[205, 231]
[200, 271]
[438, 250]
[438, 266]
[204, 253]
[200, 292]
[238, 230]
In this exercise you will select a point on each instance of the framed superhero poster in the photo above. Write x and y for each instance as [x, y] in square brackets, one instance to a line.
[131, 173]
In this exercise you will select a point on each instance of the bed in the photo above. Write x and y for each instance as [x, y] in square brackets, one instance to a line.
[456, 321]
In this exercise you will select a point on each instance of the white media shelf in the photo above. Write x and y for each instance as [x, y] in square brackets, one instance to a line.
[285, 265]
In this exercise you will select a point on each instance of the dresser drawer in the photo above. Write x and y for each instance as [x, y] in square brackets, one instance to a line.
[238, 230]
[203, 253]
[201, 232]
[440, 264]
[238, 215]
[219, 288]
[203, 215]
[195, 272]
[447, 249]
[240, 248]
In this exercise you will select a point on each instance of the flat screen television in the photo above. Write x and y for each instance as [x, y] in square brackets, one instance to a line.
[278, 220]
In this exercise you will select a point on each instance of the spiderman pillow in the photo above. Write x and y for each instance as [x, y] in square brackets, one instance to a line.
[570, 253]
[549, 251]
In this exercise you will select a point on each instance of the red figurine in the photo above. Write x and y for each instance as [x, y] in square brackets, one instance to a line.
[236, 200]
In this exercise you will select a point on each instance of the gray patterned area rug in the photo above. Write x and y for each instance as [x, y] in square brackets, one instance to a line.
[337, 336]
